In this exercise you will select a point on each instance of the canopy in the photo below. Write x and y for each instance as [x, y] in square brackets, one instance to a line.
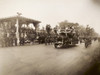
[22, 20]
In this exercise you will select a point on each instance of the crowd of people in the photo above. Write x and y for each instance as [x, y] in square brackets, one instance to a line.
[30, 36]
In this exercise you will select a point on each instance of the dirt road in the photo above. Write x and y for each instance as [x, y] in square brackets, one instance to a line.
[46, 60]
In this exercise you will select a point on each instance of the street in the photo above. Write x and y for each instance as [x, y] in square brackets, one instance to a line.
[39, 59]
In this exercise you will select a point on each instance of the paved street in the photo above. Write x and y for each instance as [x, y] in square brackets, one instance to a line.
[46, 60]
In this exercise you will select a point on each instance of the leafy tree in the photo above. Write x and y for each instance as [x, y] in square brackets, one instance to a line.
[65, 24]
[79, 28]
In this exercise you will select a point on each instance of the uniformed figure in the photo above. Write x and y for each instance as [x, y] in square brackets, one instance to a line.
[8, 40]
[70, 31]
[4, 39]
[11, 39]
[87, 30]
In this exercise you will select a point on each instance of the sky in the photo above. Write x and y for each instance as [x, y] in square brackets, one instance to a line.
[84, 12]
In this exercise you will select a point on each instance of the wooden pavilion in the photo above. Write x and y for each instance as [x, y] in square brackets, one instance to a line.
[14, 24]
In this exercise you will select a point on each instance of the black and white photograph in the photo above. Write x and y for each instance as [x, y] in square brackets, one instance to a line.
[49, 37]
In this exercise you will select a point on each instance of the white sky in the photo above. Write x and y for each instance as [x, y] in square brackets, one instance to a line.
[54, 11]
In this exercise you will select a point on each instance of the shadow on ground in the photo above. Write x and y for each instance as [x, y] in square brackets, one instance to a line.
[68, 47]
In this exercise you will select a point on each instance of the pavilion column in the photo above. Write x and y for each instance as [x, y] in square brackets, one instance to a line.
[17, 31]
[36, 27]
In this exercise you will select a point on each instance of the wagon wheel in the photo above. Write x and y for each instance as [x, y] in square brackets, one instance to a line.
[57, 45]
[86, 45]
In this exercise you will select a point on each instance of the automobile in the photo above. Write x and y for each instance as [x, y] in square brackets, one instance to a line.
[65, 39]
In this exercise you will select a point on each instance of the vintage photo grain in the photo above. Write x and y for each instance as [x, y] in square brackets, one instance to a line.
[49, 37]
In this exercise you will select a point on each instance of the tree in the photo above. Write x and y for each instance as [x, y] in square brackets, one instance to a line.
[80, 29]
[65, 24]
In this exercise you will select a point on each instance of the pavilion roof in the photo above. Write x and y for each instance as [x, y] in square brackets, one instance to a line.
[21, 18]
